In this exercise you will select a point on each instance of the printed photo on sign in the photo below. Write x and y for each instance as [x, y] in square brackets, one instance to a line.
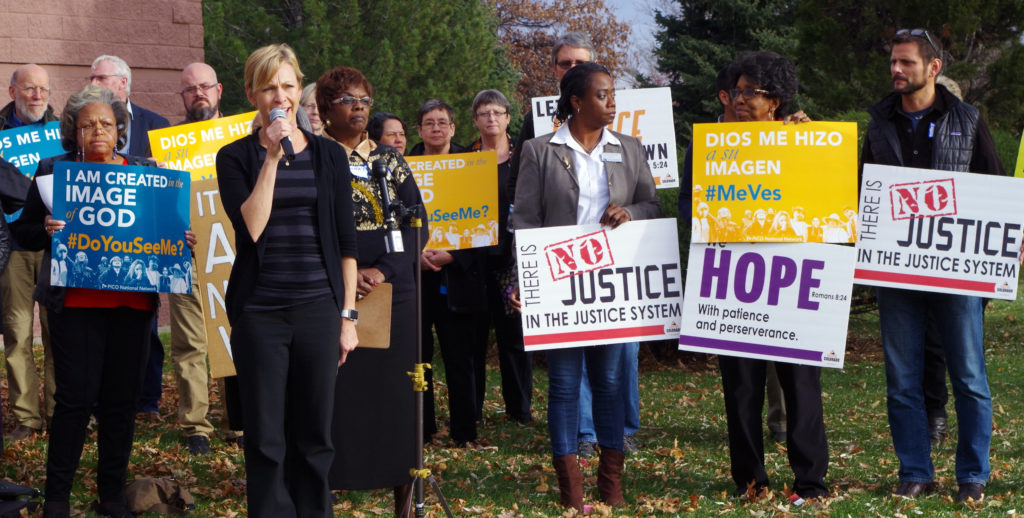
[769, 301]
[193, 147]
[644, 114]
[460, 192]
[215, 254]
[763, 182]
[940, 231]
[590, 285]
[125, 228]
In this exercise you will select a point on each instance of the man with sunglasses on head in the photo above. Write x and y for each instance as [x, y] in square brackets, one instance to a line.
[922, 125]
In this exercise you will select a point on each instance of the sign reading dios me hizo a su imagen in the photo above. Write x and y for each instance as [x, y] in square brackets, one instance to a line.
[591, 285]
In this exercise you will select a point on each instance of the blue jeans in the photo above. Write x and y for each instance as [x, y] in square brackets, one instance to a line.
[630, 396]
[565, 369]
[957, 319]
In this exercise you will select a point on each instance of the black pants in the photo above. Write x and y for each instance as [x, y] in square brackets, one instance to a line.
[936, 395]
[743, 384]
[516, 364]
[99, 356]
[153, 380]
[287, 363]
[433, 303]
[463, 341]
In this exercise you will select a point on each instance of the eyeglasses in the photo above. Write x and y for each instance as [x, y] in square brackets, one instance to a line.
[193, 90]
[747, 94]
[491, 114]
[442, 124]
[917, 33]
[34, 90]
[105, 125]
[349, 100]
[566, 64]
[101, 77]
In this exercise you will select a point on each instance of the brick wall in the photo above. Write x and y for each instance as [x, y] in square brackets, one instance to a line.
[156, 37]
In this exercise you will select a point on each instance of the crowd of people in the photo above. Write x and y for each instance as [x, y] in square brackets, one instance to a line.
[312, 239]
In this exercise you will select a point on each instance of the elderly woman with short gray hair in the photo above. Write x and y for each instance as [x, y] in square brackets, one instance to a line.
[100, 338]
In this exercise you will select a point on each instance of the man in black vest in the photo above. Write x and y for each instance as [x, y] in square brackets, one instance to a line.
[922, 125]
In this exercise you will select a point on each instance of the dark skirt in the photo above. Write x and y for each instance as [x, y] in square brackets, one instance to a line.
[374, 429]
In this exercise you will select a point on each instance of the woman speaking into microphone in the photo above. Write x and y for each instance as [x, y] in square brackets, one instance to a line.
[291, 294]
[584, 173]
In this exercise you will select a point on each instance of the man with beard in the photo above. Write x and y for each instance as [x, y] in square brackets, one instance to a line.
[922, 125]
[30, 95]
[200, 93]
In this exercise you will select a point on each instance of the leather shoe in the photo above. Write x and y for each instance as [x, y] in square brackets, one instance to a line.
[970, 491]
[23, 433]
[937, 427]
[198, 444]
[913, 489]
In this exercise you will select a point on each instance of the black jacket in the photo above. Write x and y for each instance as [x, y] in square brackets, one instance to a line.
[238, 166]
[30, 233]
[952, 136]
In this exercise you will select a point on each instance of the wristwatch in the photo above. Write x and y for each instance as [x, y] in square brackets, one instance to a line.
[350, 314]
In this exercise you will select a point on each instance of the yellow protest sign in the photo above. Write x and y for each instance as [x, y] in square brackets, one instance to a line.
[193, 147]
[774, 182]
[214, 254]
[460, 192]
[1018, 170]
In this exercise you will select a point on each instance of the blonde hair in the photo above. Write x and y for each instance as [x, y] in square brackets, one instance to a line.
[264, 63]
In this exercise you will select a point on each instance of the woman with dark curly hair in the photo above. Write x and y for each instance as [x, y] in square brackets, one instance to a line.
[764, 90]
[374, 432]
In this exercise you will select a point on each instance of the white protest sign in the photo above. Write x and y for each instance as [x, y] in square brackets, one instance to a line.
[645, 114]
[591, 285]
[940, 231]
[787, 302]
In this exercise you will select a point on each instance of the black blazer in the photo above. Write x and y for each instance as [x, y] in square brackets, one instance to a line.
[238, 166]
[143, 120]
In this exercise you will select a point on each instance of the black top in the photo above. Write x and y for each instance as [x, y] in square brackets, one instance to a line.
[238, 166]
[293, 271]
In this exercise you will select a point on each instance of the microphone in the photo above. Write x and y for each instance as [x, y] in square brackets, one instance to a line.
[286, 142]
[393, 237]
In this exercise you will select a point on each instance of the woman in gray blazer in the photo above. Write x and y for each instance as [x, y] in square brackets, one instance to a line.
[585, 173]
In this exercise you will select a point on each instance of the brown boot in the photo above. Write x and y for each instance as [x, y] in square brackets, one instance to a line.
[609, 477]
[570, 481]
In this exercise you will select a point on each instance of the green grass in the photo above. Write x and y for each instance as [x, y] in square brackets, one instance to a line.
[683, 469]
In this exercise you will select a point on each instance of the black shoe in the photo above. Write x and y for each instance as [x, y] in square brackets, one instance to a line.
[198, 444]
[56, 510]
[112, 509]
[780, 437]
[913, 489]
[970, 492]
[586, 449]
[937, 428]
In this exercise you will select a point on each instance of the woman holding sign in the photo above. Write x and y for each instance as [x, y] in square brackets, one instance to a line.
[291, 294]
[99, 338]
[585, 173]
[375, 433]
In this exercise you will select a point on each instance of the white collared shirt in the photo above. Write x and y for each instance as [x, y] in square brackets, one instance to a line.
[590, 173]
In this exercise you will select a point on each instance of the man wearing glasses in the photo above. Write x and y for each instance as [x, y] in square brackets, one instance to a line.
[112, 72]
[922, 125]
[30, 95]
[200, 91]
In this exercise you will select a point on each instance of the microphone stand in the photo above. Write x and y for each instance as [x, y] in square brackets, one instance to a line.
[418, 473]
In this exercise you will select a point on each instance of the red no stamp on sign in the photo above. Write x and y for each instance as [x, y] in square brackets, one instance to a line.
[923, 199]
[579, 255]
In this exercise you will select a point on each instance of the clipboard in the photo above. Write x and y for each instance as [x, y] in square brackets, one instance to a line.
[374, 329]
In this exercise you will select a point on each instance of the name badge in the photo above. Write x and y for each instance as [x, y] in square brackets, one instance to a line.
[611, 157]
[360, 171]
